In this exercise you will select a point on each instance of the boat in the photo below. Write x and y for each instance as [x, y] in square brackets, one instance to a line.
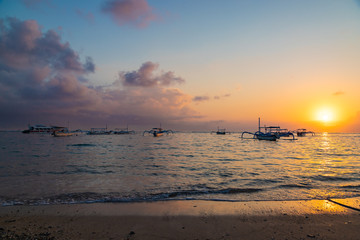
[220, 131]
[271, 133]
[62, 133]
[281, 132]
[39, 128]
[266, 136]
[157, 132]
[123, 131]
[99, 131]
[302, 132]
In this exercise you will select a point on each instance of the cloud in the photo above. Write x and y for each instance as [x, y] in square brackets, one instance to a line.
[146, 77]
[89, 65]
[338, 93]
[222, 96]
[130, 12]
[42, 80]
[207, 98]
[23, 45]
[201, 98]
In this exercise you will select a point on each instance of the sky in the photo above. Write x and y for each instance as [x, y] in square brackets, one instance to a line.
[184, 64]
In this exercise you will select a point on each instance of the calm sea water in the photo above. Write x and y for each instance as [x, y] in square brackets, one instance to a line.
[41, 169]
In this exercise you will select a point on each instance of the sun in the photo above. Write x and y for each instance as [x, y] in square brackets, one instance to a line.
[325, 115]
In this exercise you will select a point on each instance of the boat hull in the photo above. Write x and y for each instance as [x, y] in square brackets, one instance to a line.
[158, 134]
[267, 138]
[61, 134]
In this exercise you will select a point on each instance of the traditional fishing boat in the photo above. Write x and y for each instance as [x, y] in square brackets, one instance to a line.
[157, 132]
[271, 133]
[302, 132]
[282, 132]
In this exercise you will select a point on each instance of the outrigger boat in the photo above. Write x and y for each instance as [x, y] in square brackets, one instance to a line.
[157, 132]
[301, 132]
[282, 132]
[271, 133]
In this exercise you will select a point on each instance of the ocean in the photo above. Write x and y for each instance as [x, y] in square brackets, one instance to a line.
[38, 169]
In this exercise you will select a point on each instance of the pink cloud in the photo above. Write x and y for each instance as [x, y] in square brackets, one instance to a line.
[201, 98]
[146, 77]
[23, 45]
[130, 12]
[207, 98]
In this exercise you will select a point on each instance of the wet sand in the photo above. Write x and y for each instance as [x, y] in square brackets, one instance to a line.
[315, 219]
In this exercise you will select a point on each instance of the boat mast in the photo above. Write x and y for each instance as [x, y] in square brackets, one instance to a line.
[259, 125]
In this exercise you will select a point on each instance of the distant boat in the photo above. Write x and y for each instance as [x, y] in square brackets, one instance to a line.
[39, 128]
[62, 133]
[157, 132]
[99, 131]
[302, 132]
[123, 131]
[221, 131]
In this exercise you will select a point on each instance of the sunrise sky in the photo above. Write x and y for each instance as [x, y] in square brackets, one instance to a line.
[189, 65]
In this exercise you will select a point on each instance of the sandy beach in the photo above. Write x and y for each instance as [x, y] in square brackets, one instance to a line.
[314, 219]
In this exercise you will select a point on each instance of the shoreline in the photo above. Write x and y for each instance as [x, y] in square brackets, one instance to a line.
[185, 219]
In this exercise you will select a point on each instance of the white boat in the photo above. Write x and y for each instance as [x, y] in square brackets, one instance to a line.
[41, 129]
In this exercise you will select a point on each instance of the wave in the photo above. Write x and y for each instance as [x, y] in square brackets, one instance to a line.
[295, 186]
[325, 178]
[92, 197]
[82, 145]
[351, 187]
